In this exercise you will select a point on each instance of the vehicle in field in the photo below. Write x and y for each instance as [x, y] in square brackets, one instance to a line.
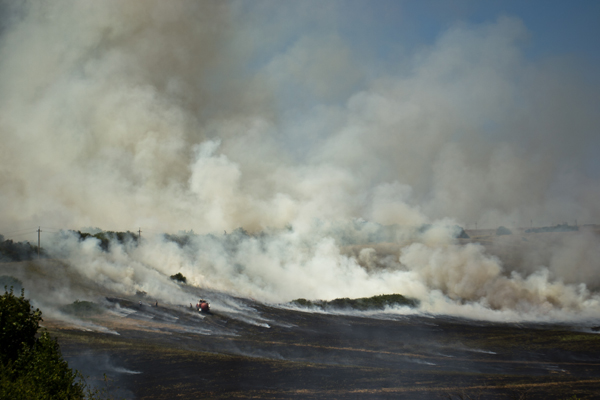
[203, 306]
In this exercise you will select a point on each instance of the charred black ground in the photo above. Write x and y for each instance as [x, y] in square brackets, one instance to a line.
[167, 352]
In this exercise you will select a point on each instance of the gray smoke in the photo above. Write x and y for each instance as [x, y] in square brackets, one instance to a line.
[217, 115]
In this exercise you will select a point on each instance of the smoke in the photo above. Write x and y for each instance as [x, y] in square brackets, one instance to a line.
[103, 373]
[217, 115]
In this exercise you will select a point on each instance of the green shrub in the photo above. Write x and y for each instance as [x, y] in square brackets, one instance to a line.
[181, 240]
[179, 277]
[18, 325]
[303, 303]
[82, 308]
[106, 237]
[502, 230]
[39, 372]
[32, 367]
[18, 251]
[362, 304]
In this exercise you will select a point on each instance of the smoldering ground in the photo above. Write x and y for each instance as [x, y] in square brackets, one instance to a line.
[96, 370]
[341, 355]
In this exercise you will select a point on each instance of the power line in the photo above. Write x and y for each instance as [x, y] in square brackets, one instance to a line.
[21, 234]
[25, 230]
[52, 231]
[55, 229]
[153, 231]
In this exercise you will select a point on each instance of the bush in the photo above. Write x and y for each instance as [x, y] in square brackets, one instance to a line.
[82, 308]
[502, 230]
[18, 325]
[32, 367]
[18, 251]
[363, 304]
[108, 237]
[39, 372]
[181, 240]
[179, 277]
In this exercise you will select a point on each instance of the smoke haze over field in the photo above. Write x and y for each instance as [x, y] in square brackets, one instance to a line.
[217, 115]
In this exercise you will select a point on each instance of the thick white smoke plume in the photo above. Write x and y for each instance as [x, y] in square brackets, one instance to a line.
[217, 115]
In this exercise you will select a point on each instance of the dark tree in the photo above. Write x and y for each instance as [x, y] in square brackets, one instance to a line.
[31, 366]
[503, 231]
[179, 277]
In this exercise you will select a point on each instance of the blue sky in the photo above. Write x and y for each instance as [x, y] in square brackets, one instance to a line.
[556, 27]
[384, 34]
[544, 56]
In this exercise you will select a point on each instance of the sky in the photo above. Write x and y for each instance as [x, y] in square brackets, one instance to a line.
[385, 33]
[555, 27]
[369, 105]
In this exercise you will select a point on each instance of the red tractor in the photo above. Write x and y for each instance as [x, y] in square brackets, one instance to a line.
[203, 306]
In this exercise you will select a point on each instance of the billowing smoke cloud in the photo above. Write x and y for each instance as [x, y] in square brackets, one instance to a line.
[217, 115]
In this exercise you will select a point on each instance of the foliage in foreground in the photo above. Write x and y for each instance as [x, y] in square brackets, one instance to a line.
[363, 304]
[31, 366]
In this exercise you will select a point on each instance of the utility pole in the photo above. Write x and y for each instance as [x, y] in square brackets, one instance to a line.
[140, 234]
[39, 231]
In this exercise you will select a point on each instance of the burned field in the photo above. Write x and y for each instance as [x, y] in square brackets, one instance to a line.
[171, 351]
